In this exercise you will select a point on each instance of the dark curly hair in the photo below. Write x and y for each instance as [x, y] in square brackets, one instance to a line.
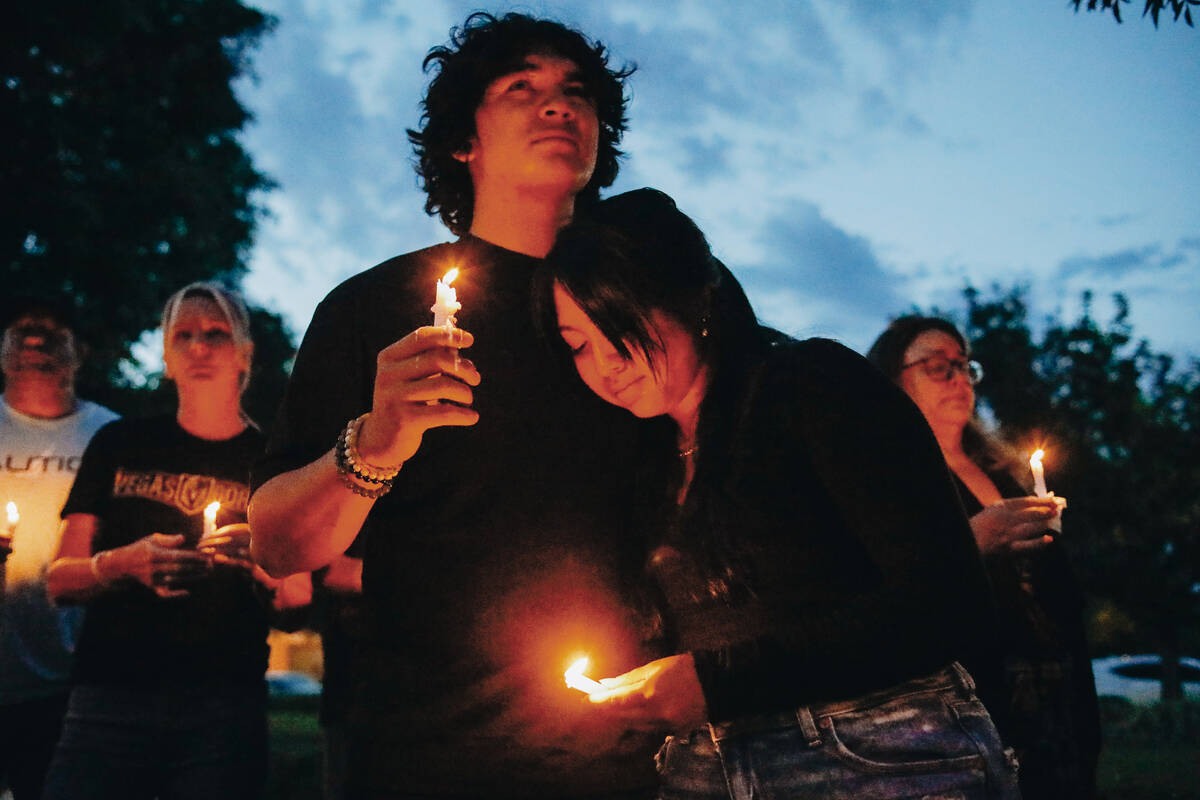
[483, 49]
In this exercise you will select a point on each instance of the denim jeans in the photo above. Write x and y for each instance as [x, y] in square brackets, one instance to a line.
[926, 738]
[171, 743]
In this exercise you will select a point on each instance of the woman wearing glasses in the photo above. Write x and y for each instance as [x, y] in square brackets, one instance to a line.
[1051, 718]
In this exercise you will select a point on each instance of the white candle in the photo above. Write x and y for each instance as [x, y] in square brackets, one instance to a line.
[1039, 475]
[575, 678]
[446, 303]
[6, 540]
[210, 518]
[1039, 489]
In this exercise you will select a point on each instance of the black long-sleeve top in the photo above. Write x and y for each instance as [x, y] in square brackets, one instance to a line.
[1040, 607]
[821, 552]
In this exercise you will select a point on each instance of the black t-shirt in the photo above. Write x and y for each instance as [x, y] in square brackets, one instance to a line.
[499, 554]
[150, 476]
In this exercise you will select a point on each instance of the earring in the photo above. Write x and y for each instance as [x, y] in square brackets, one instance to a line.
[704, 326]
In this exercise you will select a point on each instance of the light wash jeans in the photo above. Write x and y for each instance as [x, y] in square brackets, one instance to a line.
[926, 738]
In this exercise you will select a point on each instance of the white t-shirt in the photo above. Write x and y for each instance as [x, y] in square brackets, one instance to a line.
[38, 462]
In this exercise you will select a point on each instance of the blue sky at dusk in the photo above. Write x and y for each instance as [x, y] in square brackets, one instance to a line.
[847, 158]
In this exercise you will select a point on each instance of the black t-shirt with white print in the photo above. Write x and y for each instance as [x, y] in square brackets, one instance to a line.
[150, 476]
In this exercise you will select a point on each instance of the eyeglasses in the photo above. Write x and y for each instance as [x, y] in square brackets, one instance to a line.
[942, 369]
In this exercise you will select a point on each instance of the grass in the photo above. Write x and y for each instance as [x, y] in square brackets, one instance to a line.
[1150, 772]
[1150, 752]
[295, 769]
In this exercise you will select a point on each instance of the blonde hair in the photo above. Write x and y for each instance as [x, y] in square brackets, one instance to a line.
[232, 307]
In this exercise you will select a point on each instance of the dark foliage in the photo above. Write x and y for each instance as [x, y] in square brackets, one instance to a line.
[123, 176]
[1153, 8]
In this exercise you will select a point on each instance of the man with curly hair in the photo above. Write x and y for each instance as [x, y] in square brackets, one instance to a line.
[487, 495]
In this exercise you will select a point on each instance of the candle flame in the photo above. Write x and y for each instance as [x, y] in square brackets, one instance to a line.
[449, 277]
[1036, 458]
[575, 678]
[210, 511]
[13, 516]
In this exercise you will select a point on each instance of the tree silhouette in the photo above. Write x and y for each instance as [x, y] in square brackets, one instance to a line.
[1153, 8]
[123, 176]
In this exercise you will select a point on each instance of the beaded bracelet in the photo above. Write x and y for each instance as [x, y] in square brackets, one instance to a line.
[348, 446]
[345, 458]
[345, 471]
[372, 494]
[346, 468]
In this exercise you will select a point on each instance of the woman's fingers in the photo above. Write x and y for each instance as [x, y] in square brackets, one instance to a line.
[1027, 545]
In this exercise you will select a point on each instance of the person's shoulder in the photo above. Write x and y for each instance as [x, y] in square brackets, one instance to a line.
[385, 287]
[252, 437]
[95, 415]
[120, 431]
[811, 358]
[395, 271]
[142, 425]
[821, 372]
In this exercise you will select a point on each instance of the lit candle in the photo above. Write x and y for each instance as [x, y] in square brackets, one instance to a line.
[210, 518]
[1039, 489]
[1039, 475]
[446, 304]
[575, 678]
[10, 530]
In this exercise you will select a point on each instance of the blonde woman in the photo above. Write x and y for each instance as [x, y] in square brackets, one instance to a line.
[169, 698]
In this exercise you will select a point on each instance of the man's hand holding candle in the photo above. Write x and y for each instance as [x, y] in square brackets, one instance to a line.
[662, 695]
[424, 366]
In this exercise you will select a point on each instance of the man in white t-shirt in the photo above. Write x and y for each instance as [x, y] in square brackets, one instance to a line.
[44, 430]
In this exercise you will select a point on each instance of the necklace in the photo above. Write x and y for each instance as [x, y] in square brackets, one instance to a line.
[691, 450]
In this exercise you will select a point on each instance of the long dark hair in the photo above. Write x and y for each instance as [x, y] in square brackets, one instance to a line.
[636, 254]
[483, 49]
[986, 449]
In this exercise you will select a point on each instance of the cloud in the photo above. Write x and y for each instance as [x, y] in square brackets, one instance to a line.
[709, 60]
[909, 28]
[705, 159]
[876, 111]
[1122, 263]
[835, 275]
[1116, 220]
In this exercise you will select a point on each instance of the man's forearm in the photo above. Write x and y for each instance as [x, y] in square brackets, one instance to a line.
[304, 519]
